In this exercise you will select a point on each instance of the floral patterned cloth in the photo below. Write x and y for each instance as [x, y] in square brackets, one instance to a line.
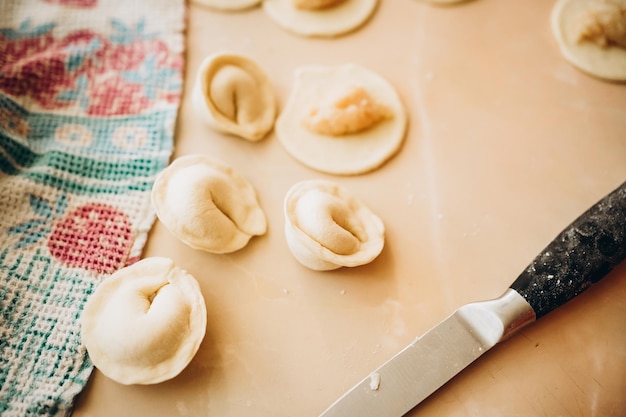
[89, 92]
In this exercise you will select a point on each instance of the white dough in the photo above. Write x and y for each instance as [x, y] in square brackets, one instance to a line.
[327, 228]
[233, 95]
[207, 205]
[350, 154]
[144, 323]
[603, 62]
[228, 5]
[326, 22]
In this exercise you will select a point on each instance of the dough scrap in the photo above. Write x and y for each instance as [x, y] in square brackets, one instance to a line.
[351, 153]
[144, 323]
[228, 5]
[207, 205]
[580, 28]
[234, 96]
[327, 228]
[329, 19]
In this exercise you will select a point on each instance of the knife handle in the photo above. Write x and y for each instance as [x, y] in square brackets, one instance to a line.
[579, 256]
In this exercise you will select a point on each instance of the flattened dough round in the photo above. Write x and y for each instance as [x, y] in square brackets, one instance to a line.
[207, 205]
[326, 227]
[144, 323]
[228, 5]
[328, 22]
[607, 63]
[350, 154]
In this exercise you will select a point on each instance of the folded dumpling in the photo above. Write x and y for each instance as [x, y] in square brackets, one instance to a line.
[326, 227]
[233, 95]
[144, 323]
[207, 205]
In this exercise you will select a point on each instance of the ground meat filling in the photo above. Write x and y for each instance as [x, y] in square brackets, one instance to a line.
[604, 23]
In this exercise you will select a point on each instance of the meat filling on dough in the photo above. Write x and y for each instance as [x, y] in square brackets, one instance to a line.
[604, 24]
[351, 112]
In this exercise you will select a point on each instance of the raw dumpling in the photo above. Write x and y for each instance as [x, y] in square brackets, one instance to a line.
[591, 35]
[327, 228]
[320, 18]
[227, 5]
[144, 323]
[235, 96]
[342, 120]
[207, 205]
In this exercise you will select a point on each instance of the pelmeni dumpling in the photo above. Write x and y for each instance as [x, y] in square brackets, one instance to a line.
[207, 205]
[233, 95]
[327, 228]
[144, 323]
[320, 18]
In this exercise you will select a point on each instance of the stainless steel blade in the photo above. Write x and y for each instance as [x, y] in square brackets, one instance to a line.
[434, 358]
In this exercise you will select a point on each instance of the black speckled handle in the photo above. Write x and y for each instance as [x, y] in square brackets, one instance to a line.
[579, 256]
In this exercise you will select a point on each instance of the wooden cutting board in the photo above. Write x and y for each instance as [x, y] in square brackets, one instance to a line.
[507, 143]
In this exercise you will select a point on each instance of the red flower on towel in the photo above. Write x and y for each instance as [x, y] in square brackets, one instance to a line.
[95, 236]
[126, 71]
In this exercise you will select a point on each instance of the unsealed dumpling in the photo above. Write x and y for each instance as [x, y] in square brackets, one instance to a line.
[235, 96]
[207, 205]
[228, 5]
[342, 120]
[591, 35]
[320, 18]
[327, 228]
[144, 323]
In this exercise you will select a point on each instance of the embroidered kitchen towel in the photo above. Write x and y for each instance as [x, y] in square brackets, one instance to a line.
[89, 93]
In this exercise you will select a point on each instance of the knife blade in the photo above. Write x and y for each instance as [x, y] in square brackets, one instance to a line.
[582, 254]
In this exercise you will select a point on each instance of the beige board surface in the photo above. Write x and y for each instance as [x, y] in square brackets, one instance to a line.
[506, 144]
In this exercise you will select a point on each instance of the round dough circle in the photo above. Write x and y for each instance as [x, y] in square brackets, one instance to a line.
[320, 214]
[606, 63]
[227, 5]
[350, 154]
[328, 22]
[207, 205]
[144, 323]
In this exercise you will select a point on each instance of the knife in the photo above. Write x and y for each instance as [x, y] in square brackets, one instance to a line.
[579, 256]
